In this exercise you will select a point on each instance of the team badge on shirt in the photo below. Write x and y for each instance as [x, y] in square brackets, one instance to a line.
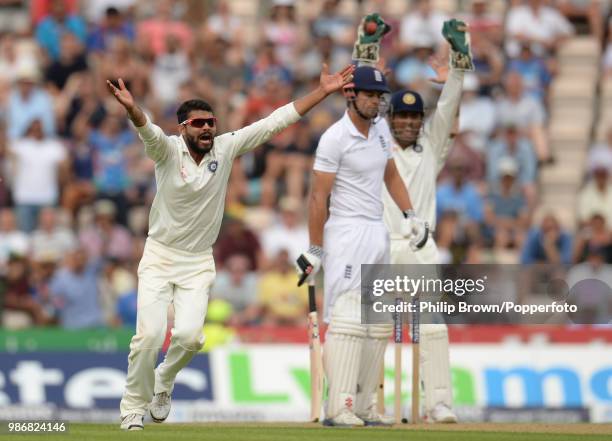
[212, 166]
[383, 143]
[418, 148]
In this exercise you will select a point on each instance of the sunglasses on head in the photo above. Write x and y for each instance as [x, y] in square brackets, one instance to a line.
[198, 123]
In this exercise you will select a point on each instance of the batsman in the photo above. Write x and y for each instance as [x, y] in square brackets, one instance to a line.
[420, 150]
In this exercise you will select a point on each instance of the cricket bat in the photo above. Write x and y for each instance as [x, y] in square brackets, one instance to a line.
[316, 362]
[416, 391]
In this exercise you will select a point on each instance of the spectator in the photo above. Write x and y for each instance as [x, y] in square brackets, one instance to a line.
[484, 25]
[535, 73]
[27, 102]
[596, 196]
[547, 243]
[225, 25]
[282, 29]
[525, 112]
[535, 23]
[422, 26]
[236, 238]
[74, 290]
[282, 302]
[596, 234]
[506, 211]
[39, 165]
[330, 21]
[50, 30]
[289, 234]
[171, 68]
[106, 238]
[152, 34]
[113, 25]
[512, 144]
[117, 284]
[71, 60]
[476, 114]
[459, 196]
[20, 308]
[238, 286]
[12, 240]
[50, 239]
[413, 71]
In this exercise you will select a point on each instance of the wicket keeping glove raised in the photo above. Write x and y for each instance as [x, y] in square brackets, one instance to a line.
[415, 229]
[309, 264]
[455, 32]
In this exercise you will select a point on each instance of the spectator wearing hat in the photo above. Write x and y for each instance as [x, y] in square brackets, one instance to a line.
[506, 212]
[596, 196]
[547, 243]
[28, 101]
[106, 238]
[39, 164]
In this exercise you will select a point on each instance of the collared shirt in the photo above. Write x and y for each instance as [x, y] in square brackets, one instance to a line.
[188, 206]
[420, 164]
[359, 163]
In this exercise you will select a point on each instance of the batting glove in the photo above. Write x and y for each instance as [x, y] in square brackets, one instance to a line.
[309, 264]
[415, 229]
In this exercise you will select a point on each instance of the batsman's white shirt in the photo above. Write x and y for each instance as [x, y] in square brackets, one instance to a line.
[420, 165]
[188, 207]
[354, 234]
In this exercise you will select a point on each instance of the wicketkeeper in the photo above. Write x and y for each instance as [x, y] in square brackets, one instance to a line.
[420, 150]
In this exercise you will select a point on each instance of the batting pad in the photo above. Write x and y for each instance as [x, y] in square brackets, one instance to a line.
[341, 356]
[435, 366]
[370, 365]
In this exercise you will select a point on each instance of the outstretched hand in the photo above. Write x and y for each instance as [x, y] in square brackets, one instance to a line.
[122, 94]
[440, 68]
[333, 82]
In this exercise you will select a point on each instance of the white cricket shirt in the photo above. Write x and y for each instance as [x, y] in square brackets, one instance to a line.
[359, 164]
[420, 164]
[188, 207]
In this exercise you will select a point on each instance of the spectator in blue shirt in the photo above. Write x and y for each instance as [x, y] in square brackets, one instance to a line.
[49, 31]
[28, 102]
[536, 75]
[112, 26]
[459, 195]
[547, 244]
[75, 292]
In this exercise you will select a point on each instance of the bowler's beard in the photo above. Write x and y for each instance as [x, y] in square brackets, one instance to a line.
[194, 145]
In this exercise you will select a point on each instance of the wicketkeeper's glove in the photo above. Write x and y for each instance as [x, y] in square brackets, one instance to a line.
[455, 32]
[415, 229]
[309, 264]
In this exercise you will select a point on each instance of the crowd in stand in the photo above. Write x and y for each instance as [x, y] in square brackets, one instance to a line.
[75, 185]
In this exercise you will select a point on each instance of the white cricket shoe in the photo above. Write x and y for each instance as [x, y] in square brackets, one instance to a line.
[132, 421]
[373, 418]
[345, 418]
[441, 413]
[160, 407]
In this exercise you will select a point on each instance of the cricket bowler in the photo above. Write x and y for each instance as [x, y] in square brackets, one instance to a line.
[353, 161]
[420, 151]
[177, 266]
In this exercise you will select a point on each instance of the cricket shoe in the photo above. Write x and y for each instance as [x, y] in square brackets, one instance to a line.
[160, 407]
[345, 418]
[132, 421]
[441, 413]
[373, 418]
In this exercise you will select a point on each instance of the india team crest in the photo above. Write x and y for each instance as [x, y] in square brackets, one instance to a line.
[212, 166]
[408, 98]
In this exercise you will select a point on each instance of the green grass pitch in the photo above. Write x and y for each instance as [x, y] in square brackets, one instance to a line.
[312, 432]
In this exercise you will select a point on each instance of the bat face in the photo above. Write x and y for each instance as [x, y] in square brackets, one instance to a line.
[313, 328]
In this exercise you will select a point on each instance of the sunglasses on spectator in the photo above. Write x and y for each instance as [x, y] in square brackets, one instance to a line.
[198, 123]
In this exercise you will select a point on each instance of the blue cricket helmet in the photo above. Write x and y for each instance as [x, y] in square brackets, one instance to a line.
[369, 78]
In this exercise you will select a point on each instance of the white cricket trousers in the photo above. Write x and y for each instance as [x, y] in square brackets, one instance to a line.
[166, 275]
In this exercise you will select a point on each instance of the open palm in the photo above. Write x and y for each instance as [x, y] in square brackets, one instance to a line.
[122, 95]
[333, 82]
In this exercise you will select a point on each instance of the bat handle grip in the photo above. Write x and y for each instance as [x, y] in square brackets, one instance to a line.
[312, 299]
